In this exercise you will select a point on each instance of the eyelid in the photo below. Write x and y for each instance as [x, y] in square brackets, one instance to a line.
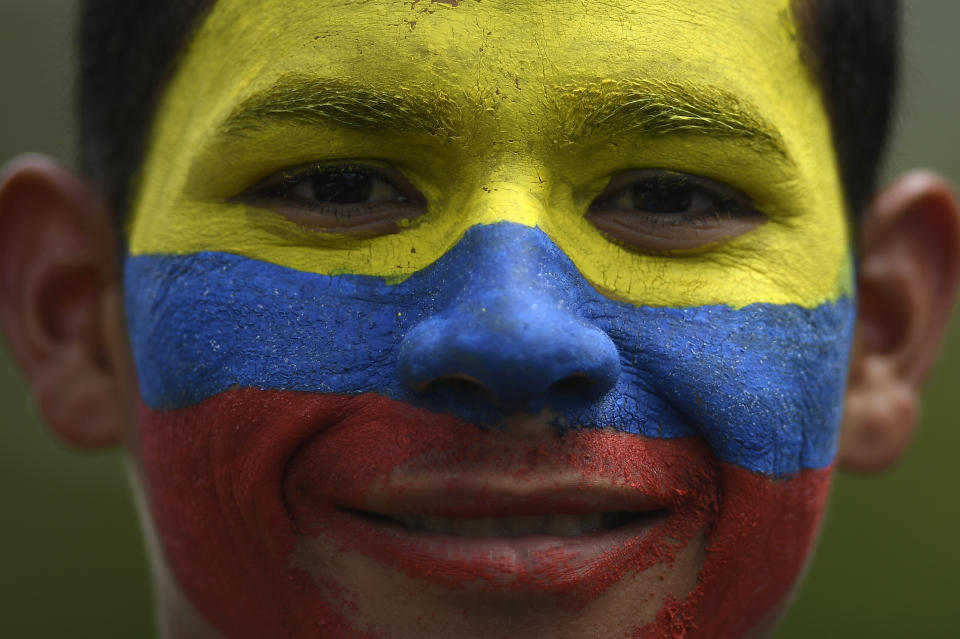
[730, 215]
[362, 219]
[722, 192]
[291, 177]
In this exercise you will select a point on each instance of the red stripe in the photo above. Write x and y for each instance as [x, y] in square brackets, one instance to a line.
[235, 480]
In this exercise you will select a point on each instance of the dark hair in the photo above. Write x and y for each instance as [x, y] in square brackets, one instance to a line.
[853, 47]
[128, 50]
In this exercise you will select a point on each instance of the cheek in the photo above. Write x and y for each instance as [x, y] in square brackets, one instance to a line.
[757, 551]
[763, 384]
[212, 471]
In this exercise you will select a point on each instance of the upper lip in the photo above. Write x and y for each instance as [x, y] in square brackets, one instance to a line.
[389, 459]
[506, 494]
[493, 480]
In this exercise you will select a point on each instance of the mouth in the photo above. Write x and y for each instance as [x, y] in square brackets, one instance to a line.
[519, 527]
[497, 512]
[560, 553]
[498, 526]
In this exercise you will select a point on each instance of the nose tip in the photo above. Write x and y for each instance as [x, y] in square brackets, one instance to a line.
[519, 356]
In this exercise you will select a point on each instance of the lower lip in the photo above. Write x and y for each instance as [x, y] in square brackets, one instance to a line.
[573, 565]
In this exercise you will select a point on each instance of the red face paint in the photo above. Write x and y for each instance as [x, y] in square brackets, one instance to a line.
[451, 469]
[240, 480]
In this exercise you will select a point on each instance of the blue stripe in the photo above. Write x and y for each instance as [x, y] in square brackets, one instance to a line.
[763, 384]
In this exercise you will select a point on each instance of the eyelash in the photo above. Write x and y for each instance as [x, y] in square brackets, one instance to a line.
[290, 181]
[694, 211]
[725, 201]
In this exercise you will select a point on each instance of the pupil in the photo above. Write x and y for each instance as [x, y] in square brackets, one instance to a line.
[343, 187]
[659, 197]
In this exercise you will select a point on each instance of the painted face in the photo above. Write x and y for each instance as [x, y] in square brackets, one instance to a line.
[489, 319]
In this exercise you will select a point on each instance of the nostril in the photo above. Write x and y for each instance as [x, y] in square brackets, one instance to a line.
[574, 391]
[575, 385]
[464, 387]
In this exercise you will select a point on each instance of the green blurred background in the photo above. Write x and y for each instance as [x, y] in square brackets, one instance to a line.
[71, 561]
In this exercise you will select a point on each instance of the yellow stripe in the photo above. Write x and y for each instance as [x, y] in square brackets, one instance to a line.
[508, 163]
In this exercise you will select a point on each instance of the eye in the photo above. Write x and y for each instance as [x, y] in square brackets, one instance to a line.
[344, 198]
[664, 211]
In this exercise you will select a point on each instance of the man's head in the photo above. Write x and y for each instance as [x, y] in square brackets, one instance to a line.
[454, 319]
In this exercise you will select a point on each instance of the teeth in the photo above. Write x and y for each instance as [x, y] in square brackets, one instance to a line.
[517, 526]
[556, 525]
[611, 520]
[443, 525]
[481, 527]
[563, 525]
[592, 522]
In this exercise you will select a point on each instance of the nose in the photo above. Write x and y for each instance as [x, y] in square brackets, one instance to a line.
[510, 331]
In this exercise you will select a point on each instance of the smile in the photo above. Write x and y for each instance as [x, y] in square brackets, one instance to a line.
[520, 526]
[493, 512]
[576, 556]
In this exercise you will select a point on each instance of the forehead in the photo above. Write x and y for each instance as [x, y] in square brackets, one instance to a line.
[507, 56]
[514, 86]
[747, 46]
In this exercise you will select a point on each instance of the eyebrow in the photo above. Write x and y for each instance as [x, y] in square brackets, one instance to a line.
[601, 110]
[347, 104]
[662, 107]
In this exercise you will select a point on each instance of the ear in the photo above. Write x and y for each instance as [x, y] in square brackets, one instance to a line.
[60, 300]
[909, 269]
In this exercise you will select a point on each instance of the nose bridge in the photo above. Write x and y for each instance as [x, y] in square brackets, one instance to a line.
[511, 327]
[514, 293]
[514, 268]
[513, 189]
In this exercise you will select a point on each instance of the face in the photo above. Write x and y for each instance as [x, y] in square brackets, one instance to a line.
[457, 319]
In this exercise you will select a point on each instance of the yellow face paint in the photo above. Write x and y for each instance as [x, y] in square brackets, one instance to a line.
[494, 117]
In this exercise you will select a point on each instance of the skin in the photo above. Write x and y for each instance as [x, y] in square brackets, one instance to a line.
[792, 248]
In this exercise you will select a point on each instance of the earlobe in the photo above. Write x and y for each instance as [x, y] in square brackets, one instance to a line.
[59, 297]
[909, 268]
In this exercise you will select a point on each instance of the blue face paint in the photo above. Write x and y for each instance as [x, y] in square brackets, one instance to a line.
[508, 312]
